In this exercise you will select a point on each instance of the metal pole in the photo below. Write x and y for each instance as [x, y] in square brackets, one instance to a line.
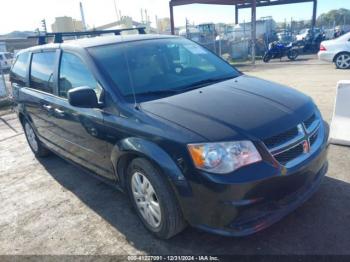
[82, 16]
[172, 18]
[314, 15]
[253, 28]
[3, 89]
[236, 15]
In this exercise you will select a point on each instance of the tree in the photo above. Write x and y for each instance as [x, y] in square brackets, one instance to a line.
[334, 17]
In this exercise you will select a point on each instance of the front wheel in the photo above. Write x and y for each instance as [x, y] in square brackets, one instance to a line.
[292, 55]
[342, 61]
[154, 199]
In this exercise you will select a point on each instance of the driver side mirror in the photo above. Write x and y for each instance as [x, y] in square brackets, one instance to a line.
[84, 97]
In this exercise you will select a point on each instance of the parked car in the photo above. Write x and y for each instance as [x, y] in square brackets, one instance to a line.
[5, 60]
[306, 33]
[191, 139]
[336, 51]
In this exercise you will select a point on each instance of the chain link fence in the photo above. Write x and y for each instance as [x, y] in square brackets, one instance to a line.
[5, 98]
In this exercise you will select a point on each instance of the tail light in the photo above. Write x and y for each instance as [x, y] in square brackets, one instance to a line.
[322, 48]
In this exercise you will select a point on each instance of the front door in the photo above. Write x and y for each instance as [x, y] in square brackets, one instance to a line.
[80, 130]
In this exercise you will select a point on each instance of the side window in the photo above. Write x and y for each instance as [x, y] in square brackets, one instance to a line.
[42, 70]
[19, 69]
[74, 73]
[1, 57]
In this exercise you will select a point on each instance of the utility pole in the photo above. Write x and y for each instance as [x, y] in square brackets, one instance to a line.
[142, 22]
[82, 16]
[187, 29]
[116, 10]
[157, 25]
[43, 25]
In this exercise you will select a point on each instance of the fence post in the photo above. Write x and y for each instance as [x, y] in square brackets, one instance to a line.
[3, 89]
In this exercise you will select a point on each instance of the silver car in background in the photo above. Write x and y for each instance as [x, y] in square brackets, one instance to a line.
[336, 51]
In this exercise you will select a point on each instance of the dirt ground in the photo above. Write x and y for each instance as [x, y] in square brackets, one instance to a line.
[52, 207]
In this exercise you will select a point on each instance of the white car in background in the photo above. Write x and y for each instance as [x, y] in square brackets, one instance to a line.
[336, 51]
[5, 60]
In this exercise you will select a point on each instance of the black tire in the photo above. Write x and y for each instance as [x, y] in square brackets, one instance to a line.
[172, 221]
[39, 150]
[337, 65]
[292, 55]
[266, 58]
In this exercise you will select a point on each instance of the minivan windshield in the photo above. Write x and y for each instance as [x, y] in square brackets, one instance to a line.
[160, 67]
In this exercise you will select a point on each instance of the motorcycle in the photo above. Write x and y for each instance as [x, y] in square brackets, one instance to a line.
[279, 50]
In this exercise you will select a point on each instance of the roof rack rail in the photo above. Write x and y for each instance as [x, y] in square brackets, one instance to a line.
[58, 37]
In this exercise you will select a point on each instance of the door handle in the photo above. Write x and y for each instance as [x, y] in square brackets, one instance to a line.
[47, 107]
[59, 112]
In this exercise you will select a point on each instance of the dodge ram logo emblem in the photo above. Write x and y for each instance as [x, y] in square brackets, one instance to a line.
[306, 147]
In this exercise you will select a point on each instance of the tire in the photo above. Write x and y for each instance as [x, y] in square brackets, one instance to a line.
[163, 201]
[34, 143]
[342, 60]
[266, 58]
[292, 55]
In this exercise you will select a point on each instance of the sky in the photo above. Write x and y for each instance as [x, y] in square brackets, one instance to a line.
[24, 15]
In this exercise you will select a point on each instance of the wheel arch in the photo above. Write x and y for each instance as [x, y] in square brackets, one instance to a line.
[130, 148]
[339, 53]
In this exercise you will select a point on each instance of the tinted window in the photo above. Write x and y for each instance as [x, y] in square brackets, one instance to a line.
[160, 66]
[41, 72]
[19, 69]
[74, 73]
[1, 57]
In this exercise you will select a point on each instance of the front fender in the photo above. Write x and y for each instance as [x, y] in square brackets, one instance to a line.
[149, 150]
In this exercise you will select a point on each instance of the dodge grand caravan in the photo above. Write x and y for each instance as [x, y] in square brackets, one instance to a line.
[189, 138]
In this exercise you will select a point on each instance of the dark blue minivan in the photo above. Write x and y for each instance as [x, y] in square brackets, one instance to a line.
[190, 139]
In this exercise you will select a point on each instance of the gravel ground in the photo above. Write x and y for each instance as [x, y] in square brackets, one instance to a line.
[52, 207]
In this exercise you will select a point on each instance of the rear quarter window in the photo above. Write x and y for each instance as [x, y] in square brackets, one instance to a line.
[42, 70]
[19, 69]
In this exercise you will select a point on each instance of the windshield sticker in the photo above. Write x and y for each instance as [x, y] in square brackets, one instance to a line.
[195, 49]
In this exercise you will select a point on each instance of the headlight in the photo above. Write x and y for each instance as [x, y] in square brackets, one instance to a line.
[223, 157]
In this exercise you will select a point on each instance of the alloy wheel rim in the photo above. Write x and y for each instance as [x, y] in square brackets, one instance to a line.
[146, 199]
[31, 137]
[343, 61]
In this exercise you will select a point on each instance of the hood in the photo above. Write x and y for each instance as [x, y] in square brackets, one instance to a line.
[241, 108]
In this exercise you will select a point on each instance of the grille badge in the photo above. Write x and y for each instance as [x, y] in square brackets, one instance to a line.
[306, 147]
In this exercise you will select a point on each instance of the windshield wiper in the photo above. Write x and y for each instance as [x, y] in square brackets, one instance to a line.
[204, 82]
[158, 92]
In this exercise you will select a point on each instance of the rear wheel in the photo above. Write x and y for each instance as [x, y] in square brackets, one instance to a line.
[292, 55]
[267, 58]
[34, 143]
[154, 199]
[342, 61]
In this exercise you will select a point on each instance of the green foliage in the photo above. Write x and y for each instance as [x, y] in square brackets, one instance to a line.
[334, 17]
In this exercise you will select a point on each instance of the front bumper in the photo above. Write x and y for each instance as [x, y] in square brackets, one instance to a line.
[255, 217]
[265, 194]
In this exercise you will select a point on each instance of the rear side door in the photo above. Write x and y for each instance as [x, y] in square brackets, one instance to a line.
[80, 131]
[19, 74]
[37, 98]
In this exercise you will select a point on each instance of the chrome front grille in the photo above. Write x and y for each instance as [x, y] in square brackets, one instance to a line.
[290, 154]
[281, 138]
[295, 144]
